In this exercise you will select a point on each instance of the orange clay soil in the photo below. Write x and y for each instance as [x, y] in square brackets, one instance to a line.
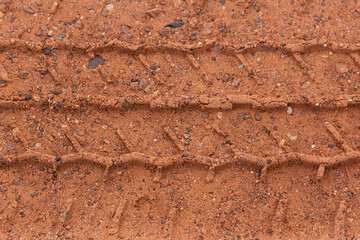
[179, 119]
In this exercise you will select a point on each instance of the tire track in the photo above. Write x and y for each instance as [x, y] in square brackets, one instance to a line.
[204, 102]
[149, 66]
[183, 154]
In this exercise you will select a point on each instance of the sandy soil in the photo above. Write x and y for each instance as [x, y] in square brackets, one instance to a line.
[179, 119]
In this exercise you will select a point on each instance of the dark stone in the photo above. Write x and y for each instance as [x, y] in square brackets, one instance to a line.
[175, 25]
[93, 63]
[27, 96]
[57, 91]
[222, 2]
[47, 51]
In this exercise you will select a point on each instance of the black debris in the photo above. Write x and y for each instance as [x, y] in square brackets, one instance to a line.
[175, 25]
[27, 96]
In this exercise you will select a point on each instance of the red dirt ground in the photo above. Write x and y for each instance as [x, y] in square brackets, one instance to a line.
[242, 122]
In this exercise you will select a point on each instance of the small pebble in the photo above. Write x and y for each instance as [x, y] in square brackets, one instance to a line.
[289, 110]
[236, 82]
[143, 84]
[3, 189]
[23, 74]
[57, 91]
[78, 24]
[16, 181]
[208, 28]
[109, 7]
[27, 96]
[104, 12]
[28, 9]
[47, 51]
[292, 138]
[305, 85]
[257, 117]
[170, 190]
[154, 12]
[164, 33]
[80, 133]
[125, 29]
[342, 68]
[247, 116]
[257, 20]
